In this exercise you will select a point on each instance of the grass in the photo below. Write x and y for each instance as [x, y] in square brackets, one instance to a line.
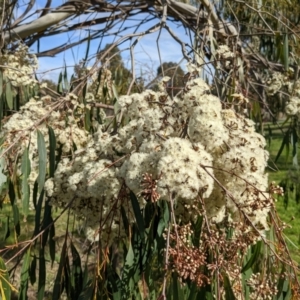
[287, 207]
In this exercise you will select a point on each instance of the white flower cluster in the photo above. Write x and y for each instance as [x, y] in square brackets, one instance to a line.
[293, 107]
[191, 147]
[223, 56]
[191, 150]
[19, 66]
[276, 82]
[20, 130]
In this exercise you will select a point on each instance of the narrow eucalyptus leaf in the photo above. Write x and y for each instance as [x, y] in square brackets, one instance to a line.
[137, 213]
[24, 276]
[59, 280]
[9, 96]
[52, 148]
[42, 274]
[32, 271]
[16, 219]
[25, 168]
[5, 289]
[42, 153]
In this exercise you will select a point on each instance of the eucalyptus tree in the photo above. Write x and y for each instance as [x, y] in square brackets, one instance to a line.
[174, 188]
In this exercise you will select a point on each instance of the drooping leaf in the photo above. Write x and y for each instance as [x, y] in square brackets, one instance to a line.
[32, 271]
[42, 152]
[137, 213]
[11, 192]
[76, 273]
[25, 276]
[42, 274]
[38, 212]
[87, 119]
[52, 243]
[229, 295]
[9, 96]
[16, 215]
[285, 142]
[286, 53]
[26, 169]
[52, 148]
[59, 279]
[59, 87]
[1, 83]
[254, 257]
[5, 287]
[125, 221]
[66, 82]
[6, 229]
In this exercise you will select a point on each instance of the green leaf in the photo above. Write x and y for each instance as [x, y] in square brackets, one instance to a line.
[1, 83]
[66, 82]
[38, 212]
[59, 280]
[11, 192]
[98, 81]
[42, 274]
[25, 276]
[197, 231]
[26, 169]
[42, 160]
[229, 295]
[52, 148]
[5, 289]
[9, 96]
[285, 141]
[52, 243]
[137, 213]
[59, 87]
[255, 255]
[76, 274]
[6, 229]
[16, 219]
[87, 119]
[286, 52]
[32, 270]
[125, 221]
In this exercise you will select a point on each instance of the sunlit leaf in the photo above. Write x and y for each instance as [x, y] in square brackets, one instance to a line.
[9, 95]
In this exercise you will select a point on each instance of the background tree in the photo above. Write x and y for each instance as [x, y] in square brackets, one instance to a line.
[176, 74]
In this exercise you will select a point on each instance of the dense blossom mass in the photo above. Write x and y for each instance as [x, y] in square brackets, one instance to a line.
[192, 149]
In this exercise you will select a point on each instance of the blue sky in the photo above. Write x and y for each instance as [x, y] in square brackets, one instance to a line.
[146, 52]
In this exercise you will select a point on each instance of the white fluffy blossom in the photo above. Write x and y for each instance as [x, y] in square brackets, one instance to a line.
[19, 66]
[187, 150]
